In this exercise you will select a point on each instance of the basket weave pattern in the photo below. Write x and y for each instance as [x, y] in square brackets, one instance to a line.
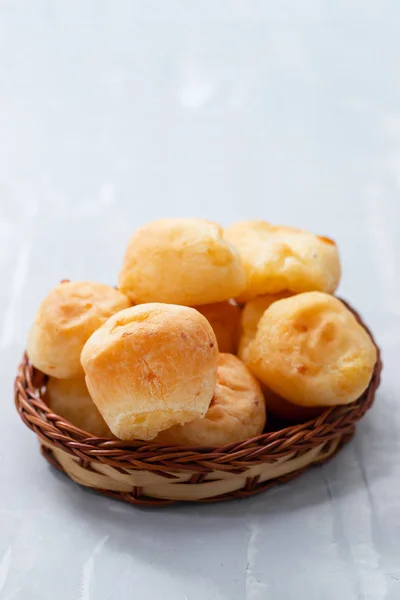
[144, 473]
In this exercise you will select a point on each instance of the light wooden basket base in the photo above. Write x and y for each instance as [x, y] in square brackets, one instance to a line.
[141, 486]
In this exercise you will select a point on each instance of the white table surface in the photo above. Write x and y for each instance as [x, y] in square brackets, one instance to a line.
[115, 113]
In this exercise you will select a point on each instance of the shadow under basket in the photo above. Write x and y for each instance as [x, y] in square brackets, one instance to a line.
[147, 474]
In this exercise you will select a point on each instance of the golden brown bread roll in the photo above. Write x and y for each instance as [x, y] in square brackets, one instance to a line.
[66, 318]
[224, 318]
[280, 259]
[236, 412]
[251, 315]
[150, 367]
[181, 261]
[70, 399]
[311, 350]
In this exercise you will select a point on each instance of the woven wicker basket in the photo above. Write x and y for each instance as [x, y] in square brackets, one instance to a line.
[144, 473]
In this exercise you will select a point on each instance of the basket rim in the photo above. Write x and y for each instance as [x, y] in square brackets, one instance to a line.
[269, 446]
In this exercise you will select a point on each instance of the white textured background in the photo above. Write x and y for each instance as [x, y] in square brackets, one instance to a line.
[115, 113]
